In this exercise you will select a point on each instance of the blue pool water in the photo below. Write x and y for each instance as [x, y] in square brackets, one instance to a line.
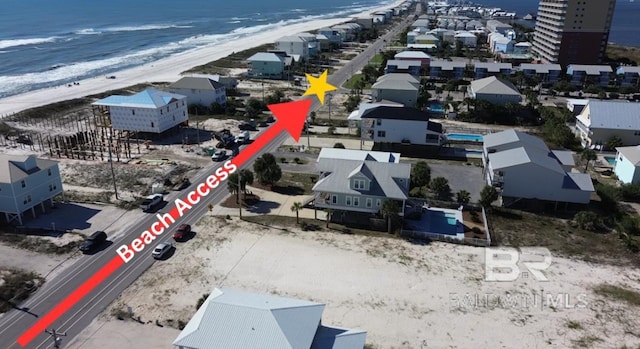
[464, 137]
[611, 160]
[436, 107]
[442, 223]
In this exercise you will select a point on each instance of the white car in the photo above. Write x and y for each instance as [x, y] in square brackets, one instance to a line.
[161, 250]
[151, 201]
[219, 155]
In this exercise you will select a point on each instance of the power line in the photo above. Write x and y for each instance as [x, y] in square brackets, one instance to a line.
[56, 339]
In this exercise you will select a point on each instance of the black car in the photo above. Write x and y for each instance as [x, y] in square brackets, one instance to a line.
[95, 240]
[246, 127]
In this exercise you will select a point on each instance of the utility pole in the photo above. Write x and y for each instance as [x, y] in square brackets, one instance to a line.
[56, 339]
[113, 174]
[197, 128]
[239, 199]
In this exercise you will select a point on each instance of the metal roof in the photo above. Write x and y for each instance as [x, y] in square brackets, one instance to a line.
[611, 115]
[541, 68]
[339, 338]
[494, 85]
[631, 153]
[386, 178]
[513, 138]
[565, 157]
[403, 64]
[396, 113]
[519, 156]
[14, 168]
[394, 85]
[265, 57]
[447, 65]
[627, 69]
[149, 98]
[360, 155]
[363, 107]
[493, 67]
[589, 69]
[411, 54]
[398, 76]
[580, 181]
[230, 319]
[196, 83]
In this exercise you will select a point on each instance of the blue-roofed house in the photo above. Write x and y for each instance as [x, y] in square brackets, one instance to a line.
[601, 120]
[482, 69]
[627, 165]
[630, 75]
[358, 181]
[232, 319]
[266, 65]
[522, 167]
[586, 74]
[151, 111]
[546, 73]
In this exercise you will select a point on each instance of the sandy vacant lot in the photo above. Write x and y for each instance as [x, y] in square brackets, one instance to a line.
[405, 295]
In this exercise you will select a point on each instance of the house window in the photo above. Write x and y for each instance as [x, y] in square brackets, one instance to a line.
[356, 201]
[378, 122]
[334, 199]
[378, 203]
[160, 111]
[358, 184]
[23, 183]
[369, 202]
[152, 125]
[348, 200]
[174, 118]
[49, 172]
[133, 112]
[27, 199]
[636, 133]
[382, 134]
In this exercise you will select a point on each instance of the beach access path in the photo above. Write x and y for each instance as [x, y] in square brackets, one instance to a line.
[76, 319]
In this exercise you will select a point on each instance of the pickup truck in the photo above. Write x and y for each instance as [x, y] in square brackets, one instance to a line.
[151, 201]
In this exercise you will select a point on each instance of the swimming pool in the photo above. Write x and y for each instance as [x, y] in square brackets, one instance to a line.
[464, 137]
[611, 160]
[436, 108]
[441, 222]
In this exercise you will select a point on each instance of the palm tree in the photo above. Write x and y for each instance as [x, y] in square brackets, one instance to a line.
[329, 213]
[589, 155]
[389, 211]
[463, 197]
[297, 206]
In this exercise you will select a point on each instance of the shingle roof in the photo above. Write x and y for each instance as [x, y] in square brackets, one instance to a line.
[197, 83]
[385, 177]
[394, 85]
[541, 68]
[611, 115]
[149, 98]
[494, 85]
[396, 113]
[233, 319]
[360, 155]
[589, 69]
[265, 57]
[631, 153]
[398, 76]
[11, 172]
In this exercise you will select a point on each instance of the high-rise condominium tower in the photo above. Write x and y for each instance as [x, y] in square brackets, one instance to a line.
[573, 31]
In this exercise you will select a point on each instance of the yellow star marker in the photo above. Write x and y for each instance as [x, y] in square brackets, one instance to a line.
[319, 86]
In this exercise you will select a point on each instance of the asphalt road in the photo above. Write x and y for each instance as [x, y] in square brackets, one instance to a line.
[15, 322]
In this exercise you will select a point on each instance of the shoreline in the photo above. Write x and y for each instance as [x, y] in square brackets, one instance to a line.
[168, 69]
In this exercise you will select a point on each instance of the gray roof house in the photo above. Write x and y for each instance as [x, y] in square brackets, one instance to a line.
[522, 167]
[267, 65]
[483, 69]
[494, 90]
[200, 90]
[231, 319]
[349, 183]
[397, 87]
[411, 67]
[600, 120]
[400, 125]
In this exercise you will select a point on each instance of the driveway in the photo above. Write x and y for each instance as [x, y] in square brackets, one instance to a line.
[461, 177]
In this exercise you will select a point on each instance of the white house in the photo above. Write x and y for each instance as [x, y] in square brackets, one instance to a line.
[360, 181]
[494, 90]
[600, 120]
[360, 155]
[300, 45]
[521, 166]
[151, 111]
[467, 39]
[413, 56]
[237, 319]
[200, 90]
[26, 182]
[402, 125]
[397, 87]
[627, 166]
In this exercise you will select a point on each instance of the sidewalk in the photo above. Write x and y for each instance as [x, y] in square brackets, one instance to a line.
[273, 204]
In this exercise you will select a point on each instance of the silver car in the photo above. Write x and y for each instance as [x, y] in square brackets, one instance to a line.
[161, 250]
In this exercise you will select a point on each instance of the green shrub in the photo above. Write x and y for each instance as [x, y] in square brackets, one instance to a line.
[587, 220]
[416, 193]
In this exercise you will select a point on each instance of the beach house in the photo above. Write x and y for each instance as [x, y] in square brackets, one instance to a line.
[600, 120]
[467, 39]
[267, 65]
[238, 319]
[400, 125]
[410, 67]
[495, 26]
[150, 111]
[413, 56]
[356, 182]
[482, 70]
[545, 73]
[627, 164]
[629, 76]
[300, 46]
[396, 87]
[200, 90]
[494, 90]
[589, 74]
[27, 182]
[446, 70]
[523, 168]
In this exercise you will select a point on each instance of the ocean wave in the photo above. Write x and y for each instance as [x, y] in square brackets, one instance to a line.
[146, 27]
[298, 10]
[24, 42]
[239, 18]
[234, 22]
[87, 31]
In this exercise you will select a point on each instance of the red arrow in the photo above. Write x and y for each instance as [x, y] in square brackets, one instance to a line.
[290, 116]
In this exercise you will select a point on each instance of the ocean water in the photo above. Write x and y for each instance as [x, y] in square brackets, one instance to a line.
[48, 43]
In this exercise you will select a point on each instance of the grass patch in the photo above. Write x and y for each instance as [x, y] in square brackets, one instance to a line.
[287, 222]
[36, 244]
[617, 52]
[16, 286]
[353, 81]
[574, 325]
[377, 59]
[618, 293]
[519, 229]
[234, 60]
[586, 341]
[303, 181]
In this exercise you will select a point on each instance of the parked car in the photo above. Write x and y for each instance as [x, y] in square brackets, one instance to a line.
[263, 124]
[161, 250]
[151, 201]
[270, 119]
[219, 155]
[243, 137]
[183, 231]
[94, 241]
[246, 127]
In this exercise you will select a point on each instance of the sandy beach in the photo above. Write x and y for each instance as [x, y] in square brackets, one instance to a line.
[164, 70]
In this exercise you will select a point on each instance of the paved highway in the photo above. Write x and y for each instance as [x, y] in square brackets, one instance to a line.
[15, 322]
